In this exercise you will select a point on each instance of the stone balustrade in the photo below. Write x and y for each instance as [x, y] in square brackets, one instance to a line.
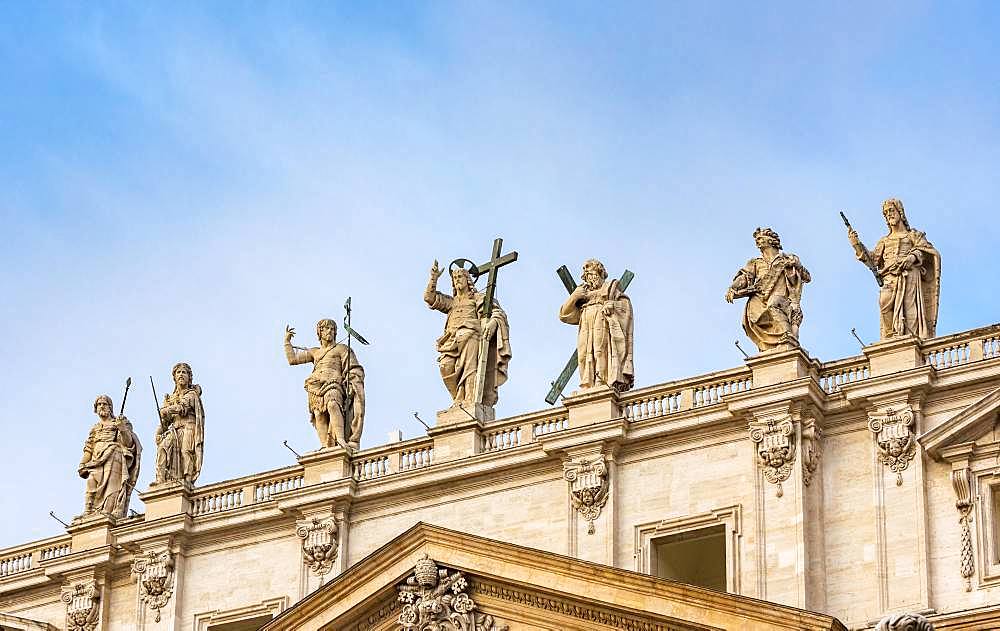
[686, 394]
[27, 557]
[962, 348]
[834, 375]
[502, 438]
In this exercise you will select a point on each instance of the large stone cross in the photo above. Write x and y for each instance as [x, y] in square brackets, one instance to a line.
[560, 383]
[490, 268]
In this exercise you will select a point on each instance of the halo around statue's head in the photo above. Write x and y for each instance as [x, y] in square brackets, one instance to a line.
[467, 265]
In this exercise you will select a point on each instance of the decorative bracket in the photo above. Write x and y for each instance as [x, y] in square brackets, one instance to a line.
[319, 542]
[775, 440]
[588, 486]
[812, 449]
[155, 573]
[960, 457]
[434, 599]
[82, 610]
[894, 438]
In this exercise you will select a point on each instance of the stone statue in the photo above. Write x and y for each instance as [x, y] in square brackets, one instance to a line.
[772, 284]
[905, 622]
[604, 341]
[908, 270]
[465, 333]
[110, 462]
[180, 437]
[336, 387]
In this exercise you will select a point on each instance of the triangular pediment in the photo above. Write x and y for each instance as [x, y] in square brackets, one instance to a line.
[522, 589]
[965, 427]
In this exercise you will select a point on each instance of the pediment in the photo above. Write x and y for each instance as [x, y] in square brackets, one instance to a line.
[965, 427]
[16, 623]
[492, 585]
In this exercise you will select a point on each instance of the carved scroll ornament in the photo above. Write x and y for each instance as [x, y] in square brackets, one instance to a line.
[155, 571]
[435, 599]
[894, 439]
[775, 440]
[319, 543]
[588, 487]
[961, 480]
[82, 610]
[905, 622]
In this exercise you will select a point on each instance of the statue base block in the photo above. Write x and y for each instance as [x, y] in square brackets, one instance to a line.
[895, 354]
[91, 531]
[164, 499]
[454, 415]
[592, 405]
[326, 465]
[779, 366]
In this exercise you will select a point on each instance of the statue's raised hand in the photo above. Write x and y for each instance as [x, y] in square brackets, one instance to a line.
[435, 271]
[289, 334]
[852, 236]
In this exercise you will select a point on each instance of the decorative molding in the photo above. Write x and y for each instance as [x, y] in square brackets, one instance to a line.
[961, 480]
[894, 438]
[271, 607]
[434, 599]
[591, 614]
[319, 542]
[812, 449]
[730, 517]
[82, 605]
[588, 486]
[775, 440]
[155, 577]
[905, 622]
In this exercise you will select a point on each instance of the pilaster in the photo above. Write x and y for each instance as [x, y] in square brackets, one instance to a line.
[158, 570]
[591, 474]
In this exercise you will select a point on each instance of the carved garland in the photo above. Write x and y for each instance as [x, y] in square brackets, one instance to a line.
[588, 487]
[812, 450]
[434, 599]
[82, 612]
[961, 480]
[155, 572]
[894, 439]
[775, 441]
[319, 543]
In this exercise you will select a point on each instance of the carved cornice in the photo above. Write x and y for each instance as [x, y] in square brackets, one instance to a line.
[155, 575]
[894, 437]
[589, 486]
[82, 605]
[320, 544]
[775, 440]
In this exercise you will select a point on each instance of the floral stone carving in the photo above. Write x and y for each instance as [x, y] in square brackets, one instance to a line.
[775, 441]
[905, 622]
[82, 610]
[319, 543]
[588, 487]
[961, 480]
[155, 571]
[435, 599]
[894, 439]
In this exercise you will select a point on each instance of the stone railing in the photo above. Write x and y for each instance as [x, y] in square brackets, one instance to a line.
[500, 438]
[232, 494]
[836, 374]
[23, 558]
[372, 464]
[962, 348]
[677, 396]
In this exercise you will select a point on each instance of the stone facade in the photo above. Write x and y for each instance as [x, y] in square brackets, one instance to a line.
[860, 527]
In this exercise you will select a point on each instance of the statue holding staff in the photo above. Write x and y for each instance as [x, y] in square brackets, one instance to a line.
[772, 284]
[110, 462]
[180, 436]
[336, 387]
[908, 270]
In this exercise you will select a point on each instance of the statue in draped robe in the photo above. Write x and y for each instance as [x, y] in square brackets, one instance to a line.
[180, 437]
[772, 284]
[604, 340]
[110, 462]
[908, 269]
[336, 387]
[464, 330]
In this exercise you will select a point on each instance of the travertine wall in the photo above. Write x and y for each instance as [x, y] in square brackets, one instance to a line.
[850, 542]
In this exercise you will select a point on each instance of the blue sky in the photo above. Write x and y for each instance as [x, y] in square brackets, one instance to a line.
[180, 180]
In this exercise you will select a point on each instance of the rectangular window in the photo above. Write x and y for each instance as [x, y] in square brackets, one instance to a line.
[696, 557]
[251, 624]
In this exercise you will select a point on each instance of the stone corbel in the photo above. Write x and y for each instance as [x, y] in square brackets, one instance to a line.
[589, 486]
[812, 449]
[961, 480]
[83, 611]
[320, 543]
[154, 573]
[893, 431]
[775, 444]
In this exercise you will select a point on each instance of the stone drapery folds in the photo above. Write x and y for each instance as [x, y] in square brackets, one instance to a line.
[110, 462]
[180, 436]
